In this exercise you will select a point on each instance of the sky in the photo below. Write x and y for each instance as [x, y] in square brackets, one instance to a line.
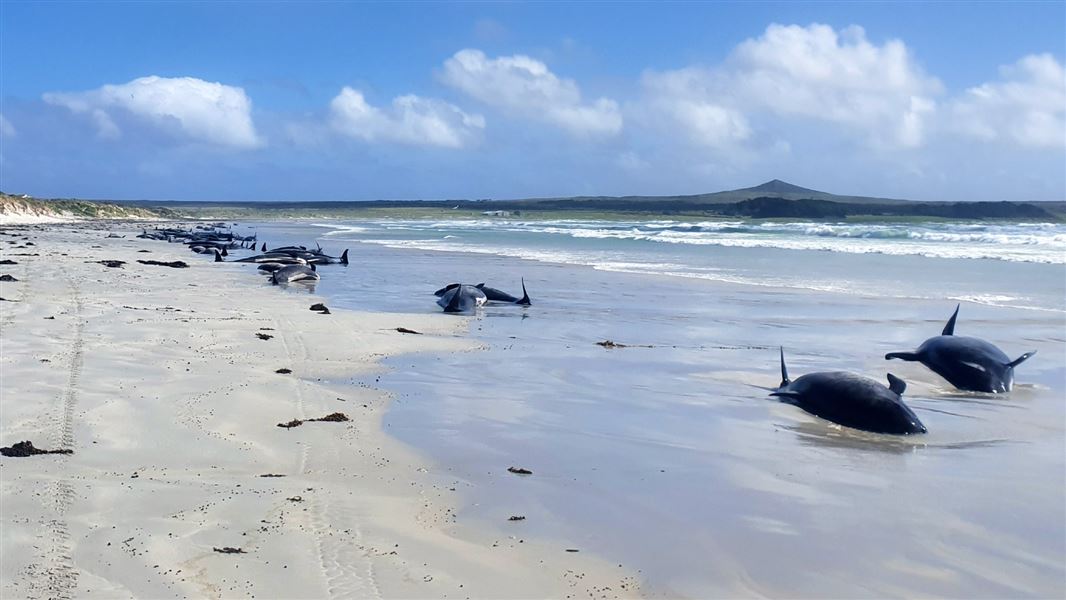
[358, 101]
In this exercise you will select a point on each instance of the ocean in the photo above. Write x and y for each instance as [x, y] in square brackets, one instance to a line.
[667, 456]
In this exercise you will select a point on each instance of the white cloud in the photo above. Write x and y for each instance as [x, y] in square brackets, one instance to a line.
[1026, 106]
[812, 72]
[410, 120]
[6, 128]
[185, 106]
[689, 100]
[525, 87]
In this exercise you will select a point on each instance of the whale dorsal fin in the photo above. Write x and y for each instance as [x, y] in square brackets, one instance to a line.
[1020, 359]
[784, 371]
[524, 301]
[896, 384]
[949, 329]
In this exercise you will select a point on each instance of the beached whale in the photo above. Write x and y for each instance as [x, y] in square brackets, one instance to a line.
[851, 400]
[290, 273]
[495, 295]
[967, 363]
[461, 298]
[266, 258]
[492, 294]
[320, 258]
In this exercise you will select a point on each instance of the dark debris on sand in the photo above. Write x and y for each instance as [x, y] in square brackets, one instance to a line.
[517, 518]
[23, 449]
[109, 263]
[229, 550]
[177, 264]
[406, 330]
[7, 262]
[613, 344]
[519, 471]
[284, 371]
[320, 308]
[6, 277]
[272, 475]
[264, 336]
[337, 417]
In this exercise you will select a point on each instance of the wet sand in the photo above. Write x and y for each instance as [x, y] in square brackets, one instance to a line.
[672, 460]
[164, 384]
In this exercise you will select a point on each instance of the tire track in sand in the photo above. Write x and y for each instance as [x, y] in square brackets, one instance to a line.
[345, 563]
[53, 574]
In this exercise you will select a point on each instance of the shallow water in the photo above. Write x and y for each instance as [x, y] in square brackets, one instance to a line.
[671, 459]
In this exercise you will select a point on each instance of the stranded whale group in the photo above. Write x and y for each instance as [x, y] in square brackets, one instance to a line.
[968, 363]
[287, 264]
[844, 398]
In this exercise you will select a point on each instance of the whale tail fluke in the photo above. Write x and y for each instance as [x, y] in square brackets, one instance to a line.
[218, 256]
[784, 372]
[525, 301]
[949, 329]
[453, 303]
[1020, 359]
[344, 257]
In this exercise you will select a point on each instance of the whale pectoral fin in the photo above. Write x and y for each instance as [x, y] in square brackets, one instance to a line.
[907, 356]
[949, 329]
[1020, 359]
[445, 289]
[896, 384]
[786, 396]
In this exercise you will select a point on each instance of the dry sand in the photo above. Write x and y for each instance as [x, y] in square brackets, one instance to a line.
[157, 380]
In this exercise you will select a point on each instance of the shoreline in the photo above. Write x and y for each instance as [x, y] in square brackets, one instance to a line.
[171, 402]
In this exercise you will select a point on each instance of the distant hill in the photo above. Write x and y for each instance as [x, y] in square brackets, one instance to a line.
[774, 188]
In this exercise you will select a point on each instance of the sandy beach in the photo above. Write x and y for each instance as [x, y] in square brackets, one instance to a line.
[164, 383]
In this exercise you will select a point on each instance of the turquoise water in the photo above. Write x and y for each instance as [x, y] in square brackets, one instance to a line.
[671, 459]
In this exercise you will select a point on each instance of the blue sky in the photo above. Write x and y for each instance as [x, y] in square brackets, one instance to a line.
[343, 101]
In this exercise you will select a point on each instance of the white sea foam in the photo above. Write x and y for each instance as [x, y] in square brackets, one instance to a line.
[1018, 242]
